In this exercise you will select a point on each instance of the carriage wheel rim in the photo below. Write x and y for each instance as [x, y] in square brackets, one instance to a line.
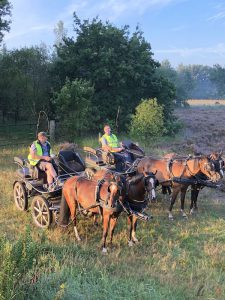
[41, 213]
[19, 196]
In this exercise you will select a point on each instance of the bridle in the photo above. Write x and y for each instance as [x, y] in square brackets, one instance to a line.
[150, 178]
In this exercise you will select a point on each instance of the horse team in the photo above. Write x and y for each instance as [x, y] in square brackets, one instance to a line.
[107, 193]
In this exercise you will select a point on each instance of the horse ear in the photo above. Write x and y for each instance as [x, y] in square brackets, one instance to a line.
[154, 173]
[220, 152]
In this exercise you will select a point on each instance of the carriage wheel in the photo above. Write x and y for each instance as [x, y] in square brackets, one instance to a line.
[41, 214]
[20, 196]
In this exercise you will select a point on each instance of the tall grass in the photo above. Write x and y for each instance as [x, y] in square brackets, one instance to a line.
[176, 260]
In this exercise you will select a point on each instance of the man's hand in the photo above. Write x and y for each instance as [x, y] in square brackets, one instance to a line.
[47, 158]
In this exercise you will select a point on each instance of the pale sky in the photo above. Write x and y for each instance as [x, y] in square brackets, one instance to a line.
[182, 31]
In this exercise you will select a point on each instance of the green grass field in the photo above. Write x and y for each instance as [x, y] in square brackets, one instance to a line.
[183, 259]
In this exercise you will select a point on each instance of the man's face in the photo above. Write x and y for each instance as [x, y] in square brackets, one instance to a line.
[107, 130]
[42, 139]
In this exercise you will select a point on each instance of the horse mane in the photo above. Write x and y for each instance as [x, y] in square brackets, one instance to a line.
[135, 179]
[66, 146]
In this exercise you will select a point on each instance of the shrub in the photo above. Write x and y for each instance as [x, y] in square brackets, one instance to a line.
[15, 261]
[148, 119]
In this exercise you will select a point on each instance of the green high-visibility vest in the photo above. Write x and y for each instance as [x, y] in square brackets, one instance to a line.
[39, 151]
[112, 140]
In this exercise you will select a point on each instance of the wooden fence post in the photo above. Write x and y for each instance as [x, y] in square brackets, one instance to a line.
[52, 131]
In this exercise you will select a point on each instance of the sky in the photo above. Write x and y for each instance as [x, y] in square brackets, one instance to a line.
[182, 31]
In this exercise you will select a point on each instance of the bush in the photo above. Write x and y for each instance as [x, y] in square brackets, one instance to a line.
[148, 119]
[15, 261]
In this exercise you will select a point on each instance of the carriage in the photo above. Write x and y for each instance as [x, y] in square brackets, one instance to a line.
[31, 182]
[100, 159]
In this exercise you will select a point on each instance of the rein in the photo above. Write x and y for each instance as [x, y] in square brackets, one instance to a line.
[98, 201]
[170, 165]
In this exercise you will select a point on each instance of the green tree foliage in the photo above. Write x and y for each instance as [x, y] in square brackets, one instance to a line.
[25, 82]
[5, 12]
[148, 119]
[218, 78]
[118, 64]
[192, 81]
[74, 107]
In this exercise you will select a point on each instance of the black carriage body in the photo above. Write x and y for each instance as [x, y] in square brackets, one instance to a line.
[31, 181]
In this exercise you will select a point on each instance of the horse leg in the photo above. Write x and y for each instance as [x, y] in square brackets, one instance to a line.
[130, 218]
[95, 222]
[182, 199]
[106, 220]
[72, 203]
[175, 192]
[134, 228]
[194, 197]
[112, 224]
[166, 190]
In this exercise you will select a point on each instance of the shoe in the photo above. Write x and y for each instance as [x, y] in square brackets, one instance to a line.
[52, 187]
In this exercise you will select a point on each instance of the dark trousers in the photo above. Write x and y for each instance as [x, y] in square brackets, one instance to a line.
[123, 160]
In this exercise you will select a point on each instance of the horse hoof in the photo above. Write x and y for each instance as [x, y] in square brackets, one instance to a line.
[171, 218]
[185, 216]
[104, 250]
[135, 240]
[130, 243]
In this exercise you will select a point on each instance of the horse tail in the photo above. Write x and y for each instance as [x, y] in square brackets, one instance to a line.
[64, 213]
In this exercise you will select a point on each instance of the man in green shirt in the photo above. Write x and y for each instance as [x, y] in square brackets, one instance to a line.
[110, 143]
[40, 155]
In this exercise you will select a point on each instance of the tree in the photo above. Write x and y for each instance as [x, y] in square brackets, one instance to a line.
[74, 107]
[148, 119]
[60, 33]
[118, 64]
[217, 76]
[25, 82]
[5, 11]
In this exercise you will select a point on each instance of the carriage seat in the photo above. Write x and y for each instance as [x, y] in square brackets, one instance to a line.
[28, 171]
[69, 162]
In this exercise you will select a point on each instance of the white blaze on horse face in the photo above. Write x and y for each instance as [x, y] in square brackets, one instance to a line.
[113, 191]
[153, 188]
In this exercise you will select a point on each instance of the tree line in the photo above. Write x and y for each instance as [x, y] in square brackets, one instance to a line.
[100, 76]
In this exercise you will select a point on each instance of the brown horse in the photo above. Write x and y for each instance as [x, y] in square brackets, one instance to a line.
[216, 158]
[180, 168]
[100, 195]
[140, 190]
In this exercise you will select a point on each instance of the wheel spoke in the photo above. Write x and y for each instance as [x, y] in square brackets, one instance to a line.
[36, 209]
[45, 219]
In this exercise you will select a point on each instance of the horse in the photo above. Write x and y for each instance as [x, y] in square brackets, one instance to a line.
[140, 189]
[103, 194]
[169, 170]
[218, 161]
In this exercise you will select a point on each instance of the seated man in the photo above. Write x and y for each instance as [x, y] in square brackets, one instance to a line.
[40, 156]
[110, 143]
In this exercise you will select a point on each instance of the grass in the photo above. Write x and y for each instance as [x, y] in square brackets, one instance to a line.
[206, 102]
[184, 259]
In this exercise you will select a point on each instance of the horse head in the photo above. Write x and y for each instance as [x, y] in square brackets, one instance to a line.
[116, 189]
[207, 167]
[216, 158]
[150, 184]
[144, 182]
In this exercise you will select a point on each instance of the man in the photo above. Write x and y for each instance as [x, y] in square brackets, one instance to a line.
[110, 143]
[40, 156]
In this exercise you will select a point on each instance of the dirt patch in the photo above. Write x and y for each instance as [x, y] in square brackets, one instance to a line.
[203, 129]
